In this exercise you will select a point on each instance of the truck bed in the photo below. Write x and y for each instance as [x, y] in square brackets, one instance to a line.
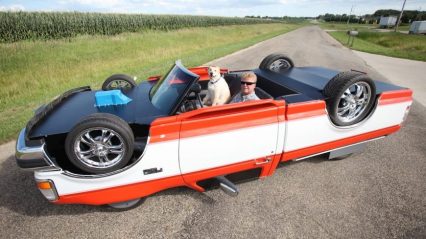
[300, 84]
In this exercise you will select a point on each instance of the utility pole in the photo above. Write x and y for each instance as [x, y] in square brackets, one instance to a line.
[400, 16]
[349, 18]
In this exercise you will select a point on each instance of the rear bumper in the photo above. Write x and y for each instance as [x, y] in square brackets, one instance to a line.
[31, 157]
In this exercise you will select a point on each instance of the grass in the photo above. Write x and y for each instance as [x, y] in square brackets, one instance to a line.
[360, 27]
[33, 72]
[404, 27]
[345, 27]
[393, 44]
[390, 43]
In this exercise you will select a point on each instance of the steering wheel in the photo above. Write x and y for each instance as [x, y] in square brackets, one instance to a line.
[199, 101]
[192, 100]
[196, 88]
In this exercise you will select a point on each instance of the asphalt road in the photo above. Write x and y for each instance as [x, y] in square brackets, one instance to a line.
[379, 193]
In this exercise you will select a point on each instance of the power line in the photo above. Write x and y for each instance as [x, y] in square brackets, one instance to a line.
[349, 18]
[400, 16]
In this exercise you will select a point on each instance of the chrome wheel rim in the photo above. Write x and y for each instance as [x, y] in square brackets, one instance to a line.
[279, 64]
[99, 148]
[353, 102]
[119, 84]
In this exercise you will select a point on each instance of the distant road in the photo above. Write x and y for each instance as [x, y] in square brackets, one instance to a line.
[377, 194]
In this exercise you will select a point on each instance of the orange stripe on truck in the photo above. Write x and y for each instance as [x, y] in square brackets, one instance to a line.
[394, 97]
[164, 129]
[121, 193]
[305, 110]
[217, 119]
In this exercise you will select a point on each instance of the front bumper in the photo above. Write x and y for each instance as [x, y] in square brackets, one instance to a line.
[32, 157]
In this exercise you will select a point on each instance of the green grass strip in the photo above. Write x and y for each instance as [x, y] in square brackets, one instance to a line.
[388, 44]
[394, 44]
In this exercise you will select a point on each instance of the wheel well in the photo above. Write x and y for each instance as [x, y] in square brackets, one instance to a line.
[55, 148]
[140, 130]
[368, 115]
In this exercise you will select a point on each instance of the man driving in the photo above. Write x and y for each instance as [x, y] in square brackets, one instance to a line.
[248, 84]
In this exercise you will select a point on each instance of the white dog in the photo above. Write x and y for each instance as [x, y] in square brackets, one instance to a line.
[218, 90]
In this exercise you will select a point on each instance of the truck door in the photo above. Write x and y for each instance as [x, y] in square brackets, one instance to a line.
[225, 139]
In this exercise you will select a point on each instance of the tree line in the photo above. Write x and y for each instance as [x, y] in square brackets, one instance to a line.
[407, 17]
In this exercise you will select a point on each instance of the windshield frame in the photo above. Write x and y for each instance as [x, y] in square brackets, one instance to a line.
[177, 66]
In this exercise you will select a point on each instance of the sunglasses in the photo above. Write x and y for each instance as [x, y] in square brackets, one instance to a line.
[247, 83]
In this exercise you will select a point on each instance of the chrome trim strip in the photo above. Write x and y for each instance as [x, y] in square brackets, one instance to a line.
[26, 153]
[313, 155]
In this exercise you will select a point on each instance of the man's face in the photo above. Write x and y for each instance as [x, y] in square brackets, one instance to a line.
[248, 85]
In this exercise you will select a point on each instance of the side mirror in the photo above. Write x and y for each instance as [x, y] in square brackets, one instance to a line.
[196, 88]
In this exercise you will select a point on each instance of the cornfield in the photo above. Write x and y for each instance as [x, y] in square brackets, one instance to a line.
[17, 26]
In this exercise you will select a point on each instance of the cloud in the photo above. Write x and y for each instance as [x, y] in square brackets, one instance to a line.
[95, 2]
[12, 8]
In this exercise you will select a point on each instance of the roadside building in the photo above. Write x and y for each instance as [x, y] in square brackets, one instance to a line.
[386, 22]
[418, 27]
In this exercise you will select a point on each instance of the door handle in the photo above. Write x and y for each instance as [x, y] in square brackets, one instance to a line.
[268, 159]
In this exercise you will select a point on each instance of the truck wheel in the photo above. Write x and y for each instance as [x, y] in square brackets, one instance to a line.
[100, 143]
[276, 62]
[118, 81]
[349, 97]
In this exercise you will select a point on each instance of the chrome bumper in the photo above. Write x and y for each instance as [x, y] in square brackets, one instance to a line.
[31, 157]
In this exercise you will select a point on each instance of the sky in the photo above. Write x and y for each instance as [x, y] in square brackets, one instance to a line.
[240, 8]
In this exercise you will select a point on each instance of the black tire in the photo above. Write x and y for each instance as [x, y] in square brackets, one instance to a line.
[127, 205]
[262, 64]
[276, 62]
[339, 97]
[101, 136]
[119, 81]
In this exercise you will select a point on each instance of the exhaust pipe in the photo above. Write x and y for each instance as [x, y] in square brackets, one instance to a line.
[227, 186]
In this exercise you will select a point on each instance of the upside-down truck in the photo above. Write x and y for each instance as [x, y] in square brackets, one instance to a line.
[127, 141]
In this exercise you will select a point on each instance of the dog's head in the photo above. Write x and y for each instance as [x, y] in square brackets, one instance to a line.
[214, 72]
